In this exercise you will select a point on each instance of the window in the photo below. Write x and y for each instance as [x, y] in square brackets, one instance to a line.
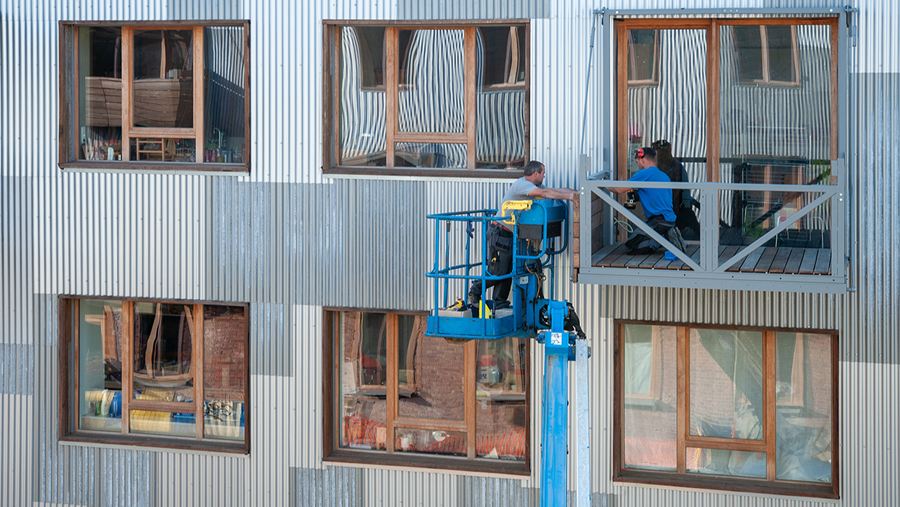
[643, 57]
[737, 409]
[155, 96]
[767, 54]
[398, 397]
[155, 373]
[447, 100]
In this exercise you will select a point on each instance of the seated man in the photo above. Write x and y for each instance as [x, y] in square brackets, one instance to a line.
[657, 203]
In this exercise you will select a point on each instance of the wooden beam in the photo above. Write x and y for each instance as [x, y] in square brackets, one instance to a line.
[127, 363]
[469, 390]
[392, 377]
[769, 398]
[197, 364]
[127, 77]
[471, 63]
[199, 103]
[712, 101]
[66, 331]
[682, 400]
[391, 96]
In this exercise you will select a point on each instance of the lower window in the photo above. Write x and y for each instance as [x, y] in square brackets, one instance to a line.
[737, 409]
[155, 373]
[402, 398]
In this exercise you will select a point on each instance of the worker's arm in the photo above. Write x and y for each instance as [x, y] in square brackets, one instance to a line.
[620, 190]
[554, 193]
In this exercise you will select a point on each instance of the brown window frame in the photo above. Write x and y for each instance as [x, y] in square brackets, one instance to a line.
[69, 382]
[331, 450]
[331, 90]
[69, 142]
[681, 478]
[711, 26]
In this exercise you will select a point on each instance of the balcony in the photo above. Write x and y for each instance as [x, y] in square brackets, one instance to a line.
[748, 234]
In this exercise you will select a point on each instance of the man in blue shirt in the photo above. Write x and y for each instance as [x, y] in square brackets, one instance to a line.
[657, 203]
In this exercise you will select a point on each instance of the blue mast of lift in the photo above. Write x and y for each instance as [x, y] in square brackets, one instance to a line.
[536, 225]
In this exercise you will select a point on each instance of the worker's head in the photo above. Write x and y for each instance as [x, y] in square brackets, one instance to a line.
[534, 172]
[664, 157]
[645, 157]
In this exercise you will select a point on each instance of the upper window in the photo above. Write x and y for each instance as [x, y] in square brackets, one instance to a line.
[426, 100]
[741, 409]
[767, 54]
[643, 57]
[418, 400]
[140, 96]
[154, 373]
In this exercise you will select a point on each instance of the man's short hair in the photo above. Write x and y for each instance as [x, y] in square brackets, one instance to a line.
[645, 152]
[533, 167]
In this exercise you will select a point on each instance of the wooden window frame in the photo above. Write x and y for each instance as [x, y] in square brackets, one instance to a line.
[766, 60]
[69, 143]
[331, 450]
[393, 135]
[680, 477]
[69, 398]
[711, 26]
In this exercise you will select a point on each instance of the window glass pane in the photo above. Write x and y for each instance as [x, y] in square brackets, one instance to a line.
[676, 110]
[804, 405]
[723, 462]
[164, 150]
[448, 443]
[163, 342]
[362, 355]
[642, 51]
[100, 365]
[501, 413]
[786, 128]
[100, 92]
[224, 371]
[437, 368]
[726, 384]
[781, 53]
[163, 423]
[162, 91]
[748, 51]
[650, 420]
[500, 98]
[432, 78]
[361, 120]
[430, 155]
[224, 94]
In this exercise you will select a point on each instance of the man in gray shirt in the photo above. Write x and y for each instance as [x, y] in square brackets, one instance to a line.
[499, 237]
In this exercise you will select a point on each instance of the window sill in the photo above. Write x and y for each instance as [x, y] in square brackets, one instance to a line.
[156, 168]
[91, 439]
[450, 464]
[731, 484]
[419, 173]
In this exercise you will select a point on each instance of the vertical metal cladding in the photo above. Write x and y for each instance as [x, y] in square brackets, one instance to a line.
[289, 241]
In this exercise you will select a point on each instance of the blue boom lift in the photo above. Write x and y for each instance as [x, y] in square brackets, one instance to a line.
[536, 226]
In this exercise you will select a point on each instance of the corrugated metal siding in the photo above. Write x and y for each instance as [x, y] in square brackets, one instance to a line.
[290, 241]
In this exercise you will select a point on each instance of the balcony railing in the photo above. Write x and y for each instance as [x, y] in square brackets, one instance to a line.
[780, 237]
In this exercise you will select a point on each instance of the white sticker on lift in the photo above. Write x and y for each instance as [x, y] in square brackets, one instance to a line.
[523, 280]
[556, 338]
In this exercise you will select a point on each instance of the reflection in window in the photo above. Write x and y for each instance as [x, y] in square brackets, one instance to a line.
[643, 56]
[163, 86]
[767, 54]
[728, 390]
[162, 388]
[430, 390]
[503, 53]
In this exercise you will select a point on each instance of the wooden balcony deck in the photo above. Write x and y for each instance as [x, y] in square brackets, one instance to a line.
[776, 260]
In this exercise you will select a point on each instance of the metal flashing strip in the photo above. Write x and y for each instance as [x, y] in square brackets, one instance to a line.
[734, 12]
[763, 282]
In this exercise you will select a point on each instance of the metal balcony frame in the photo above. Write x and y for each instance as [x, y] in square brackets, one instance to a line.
[708, 273]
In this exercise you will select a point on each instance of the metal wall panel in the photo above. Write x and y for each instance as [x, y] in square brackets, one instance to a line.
[289, 241]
